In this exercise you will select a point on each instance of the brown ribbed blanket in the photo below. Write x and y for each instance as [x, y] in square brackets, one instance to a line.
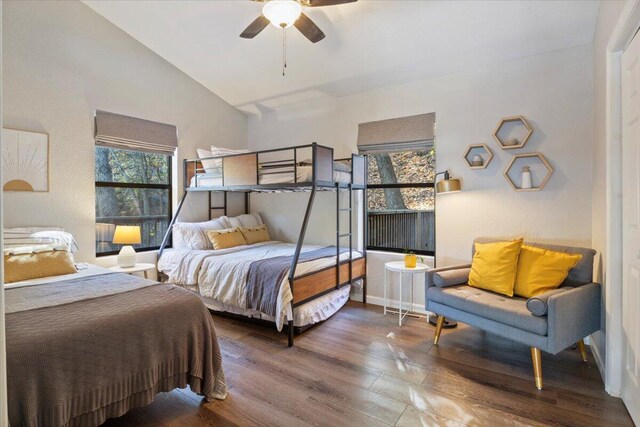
[78, 362]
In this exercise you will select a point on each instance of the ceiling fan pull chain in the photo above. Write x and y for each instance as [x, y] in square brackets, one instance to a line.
[284, 49]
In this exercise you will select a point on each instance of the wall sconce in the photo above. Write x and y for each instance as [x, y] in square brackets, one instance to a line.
[447, 184]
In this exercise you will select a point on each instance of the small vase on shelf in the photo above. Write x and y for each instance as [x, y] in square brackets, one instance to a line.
[477, 160]
[526, 178]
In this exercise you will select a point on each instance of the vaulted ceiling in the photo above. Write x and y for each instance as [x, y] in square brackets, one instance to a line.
[368, 44]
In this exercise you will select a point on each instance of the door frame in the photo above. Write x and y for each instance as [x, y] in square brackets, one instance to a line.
[624, 31]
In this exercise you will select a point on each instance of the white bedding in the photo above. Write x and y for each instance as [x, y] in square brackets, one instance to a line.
[221, 274]
[309, 313]
[304, 173]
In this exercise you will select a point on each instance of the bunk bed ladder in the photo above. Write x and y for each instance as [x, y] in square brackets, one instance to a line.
[340, 236]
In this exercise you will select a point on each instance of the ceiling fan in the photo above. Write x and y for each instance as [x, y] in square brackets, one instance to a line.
[285, 13]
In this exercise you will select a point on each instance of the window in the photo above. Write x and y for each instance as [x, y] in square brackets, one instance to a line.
[132, 188]
[401, 199]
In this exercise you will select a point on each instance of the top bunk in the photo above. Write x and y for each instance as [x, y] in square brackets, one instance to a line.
[299, 168]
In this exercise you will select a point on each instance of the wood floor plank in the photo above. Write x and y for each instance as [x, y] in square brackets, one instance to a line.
[331, 368]
[413, 417]
[433, 401]
[360, 368]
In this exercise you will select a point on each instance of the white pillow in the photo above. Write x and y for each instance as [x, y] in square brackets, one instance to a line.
[223, 151]
[55, 236]
[211, 165]
[193, 235]
[26, 236]
[215, 165]
[246, 220]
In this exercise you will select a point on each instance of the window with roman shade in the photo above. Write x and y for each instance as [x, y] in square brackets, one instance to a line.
[133, 170]
[400, 194]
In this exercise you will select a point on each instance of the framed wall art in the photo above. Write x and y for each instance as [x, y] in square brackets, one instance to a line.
[25, 161]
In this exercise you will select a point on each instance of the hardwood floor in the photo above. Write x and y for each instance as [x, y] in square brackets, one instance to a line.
[360, 368]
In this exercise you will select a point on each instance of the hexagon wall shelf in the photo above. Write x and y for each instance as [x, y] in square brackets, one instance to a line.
[481, 150]
[540, 158]
[514, 142]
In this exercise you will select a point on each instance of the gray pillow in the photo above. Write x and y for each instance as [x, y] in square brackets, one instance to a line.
[459, 276]
[539, 305]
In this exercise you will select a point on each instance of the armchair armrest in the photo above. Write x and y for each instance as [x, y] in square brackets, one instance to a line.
[447, 276]
[573, 315]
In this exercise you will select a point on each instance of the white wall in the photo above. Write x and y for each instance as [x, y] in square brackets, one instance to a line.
[4, 415]
[608, 15]
[61, 60]
[554, 91]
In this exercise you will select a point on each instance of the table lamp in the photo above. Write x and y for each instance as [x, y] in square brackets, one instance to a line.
[127, 235]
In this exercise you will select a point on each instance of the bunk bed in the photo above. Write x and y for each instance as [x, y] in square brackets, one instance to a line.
[305, 168]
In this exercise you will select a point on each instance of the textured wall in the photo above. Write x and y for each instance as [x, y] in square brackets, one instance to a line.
[61, 60]
[554, 91]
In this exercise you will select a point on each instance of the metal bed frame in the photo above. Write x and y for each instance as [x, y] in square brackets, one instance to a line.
[242, 173]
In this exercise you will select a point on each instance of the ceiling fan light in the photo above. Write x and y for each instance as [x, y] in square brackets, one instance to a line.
[282, 13]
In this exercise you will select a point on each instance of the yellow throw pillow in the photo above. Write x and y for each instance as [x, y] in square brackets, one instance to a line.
[541, 270]
[255, 234]
[36, 262]
[494, 266]
[227, 238]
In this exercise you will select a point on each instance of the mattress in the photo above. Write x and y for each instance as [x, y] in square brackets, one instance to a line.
[304, 173]
[310, 313]
[221, 275]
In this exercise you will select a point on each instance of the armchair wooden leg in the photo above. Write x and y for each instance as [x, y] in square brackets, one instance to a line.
[536, 357]
[439, 325]
[583, 350]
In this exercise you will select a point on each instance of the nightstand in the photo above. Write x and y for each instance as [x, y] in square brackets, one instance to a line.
[140, 267]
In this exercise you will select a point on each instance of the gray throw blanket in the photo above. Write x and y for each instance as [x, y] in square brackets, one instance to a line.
[266, 275]
[78, 362]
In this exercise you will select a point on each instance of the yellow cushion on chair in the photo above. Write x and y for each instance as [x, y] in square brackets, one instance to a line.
[494, 266]
[227, 238]
[255, 234]
[541, 270]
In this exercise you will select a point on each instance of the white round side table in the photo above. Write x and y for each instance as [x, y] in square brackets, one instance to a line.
[140, 267]
[399, 267]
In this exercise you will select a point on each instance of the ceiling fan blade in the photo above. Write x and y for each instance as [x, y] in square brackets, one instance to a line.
[320, 3]
[309, 29]
[255, 27]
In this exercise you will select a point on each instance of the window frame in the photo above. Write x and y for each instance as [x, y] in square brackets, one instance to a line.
[168, 187]
[400, 186]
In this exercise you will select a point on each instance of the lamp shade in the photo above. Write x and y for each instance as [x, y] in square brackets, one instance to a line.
[127, 235]
[448, 186]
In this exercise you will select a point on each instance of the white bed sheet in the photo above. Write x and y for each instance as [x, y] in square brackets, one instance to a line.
[310, 313]
[304, 173]
[84, 270]
[221, 274]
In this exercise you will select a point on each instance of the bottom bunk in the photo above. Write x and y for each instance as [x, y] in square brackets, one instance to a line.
[304, 316]
[253, 280]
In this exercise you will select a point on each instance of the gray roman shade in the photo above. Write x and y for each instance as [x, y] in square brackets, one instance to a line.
[124, 132]
[405, 133]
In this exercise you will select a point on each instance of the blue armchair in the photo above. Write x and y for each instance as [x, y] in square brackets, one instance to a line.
[549, 322]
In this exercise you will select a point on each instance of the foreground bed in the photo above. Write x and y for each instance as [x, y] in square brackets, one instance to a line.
[89, 346]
